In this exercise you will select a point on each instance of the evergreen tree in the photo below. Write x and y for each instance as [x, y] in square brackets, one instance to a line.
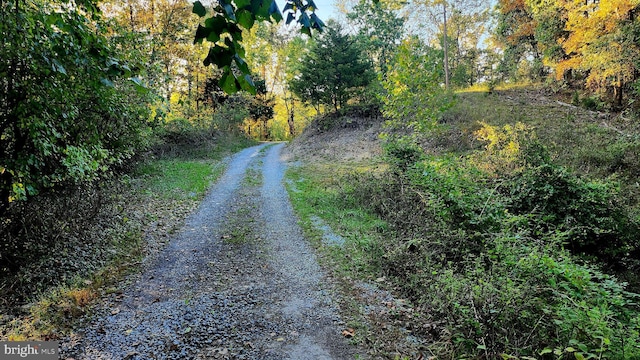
[333, 71]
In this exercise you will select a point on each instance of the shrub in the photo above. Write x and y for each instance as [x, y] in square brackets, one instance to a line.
[588, 212]
[402, 152]
[482, 250]
[412, 96]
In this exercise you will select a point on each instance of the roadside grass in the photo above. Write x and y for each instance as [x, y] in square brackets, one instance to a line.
[179, 178]
[140, 213]
[487, 241]
[317, 192]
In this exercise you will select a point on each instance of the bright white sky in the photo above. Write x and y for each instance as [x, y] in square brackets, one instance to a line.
[325, 10]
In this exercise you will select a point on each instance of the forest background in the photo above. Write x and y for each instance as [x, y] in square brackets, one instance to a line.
[91, 89]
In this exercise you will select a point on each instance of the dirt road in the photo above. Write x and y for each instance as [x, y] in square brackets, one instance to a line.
[239, 281]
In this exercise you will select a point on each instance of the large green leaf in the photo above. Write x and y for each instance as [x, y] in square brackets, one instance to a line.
[290, 18]
[217, 24]
[316, 23]
[199, 9]
[202, 33]
[261, 8]
[247, 84]
[304, 21]
[220, 56]
[242, 65]
[274, 11]
[228, 82]
[245, 19]
[229, 11]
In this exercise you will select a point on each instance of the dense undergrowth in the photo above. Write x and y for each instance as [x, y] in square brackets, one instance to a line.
[505, 243]
[60, 250]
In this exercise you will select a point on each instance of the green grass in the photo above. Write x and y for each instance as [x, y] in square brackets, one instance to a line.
[179, 178]
[585, 142]
[448, 236]
[158, 191]
[253, 175]
[575, 137]
[315, 191]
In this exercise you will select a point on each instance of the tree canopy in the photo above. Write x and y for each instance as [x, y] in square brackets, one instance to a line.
[70, 105]
[593, 44]
[333, 70]
[224, 28]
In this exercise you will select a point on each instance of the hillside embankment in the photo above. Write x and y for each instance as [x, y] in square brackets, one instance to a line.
[509, 229]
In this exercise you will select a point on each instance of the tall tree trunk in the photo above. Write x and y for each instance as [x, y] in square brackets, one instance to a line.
[290, 119]
[131, 19]
[197, 91]
[445, 46]
[618, 93]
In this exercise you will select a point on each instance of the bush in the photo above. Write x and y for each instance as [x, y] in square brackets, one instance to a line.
[482, 250]
[589, 213]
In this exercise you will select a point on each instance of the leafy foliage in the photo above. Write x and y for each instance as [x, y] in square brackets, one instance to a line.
[70, 109]
[484, 251]
[380, 28]
[571, 39]
[607, 54]
[224, 30]
[333, 71]
[413, 96]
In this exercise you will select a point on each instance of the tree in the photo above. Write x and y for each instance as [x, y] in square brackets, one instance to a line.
[380, 28]
[439, 14]
[223, 29]
[333, 70]
[261, 108]
[413, 95]
[163, 47]
[550, 19]
[516, 31]
[465, 30]
[69, 105]
[603, 43]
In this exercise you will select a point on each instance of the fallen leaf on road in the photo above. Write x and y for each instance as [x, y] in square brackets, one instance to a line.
[348, 333]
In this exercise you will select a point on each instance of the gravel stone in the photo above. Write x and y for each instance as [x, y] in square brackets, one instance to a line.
[239, 281]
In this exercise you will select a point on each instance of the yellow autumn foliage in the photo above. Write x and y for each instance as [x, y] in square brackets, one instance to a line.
[597, 44]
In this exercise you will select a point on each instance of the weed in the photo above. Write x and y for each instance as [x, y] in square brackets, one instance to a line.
[490, 239]
[176, 179]
[253, 175]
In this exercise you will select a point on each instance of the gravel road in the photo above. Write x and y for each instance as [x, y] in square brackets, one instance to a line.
[239, 281]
